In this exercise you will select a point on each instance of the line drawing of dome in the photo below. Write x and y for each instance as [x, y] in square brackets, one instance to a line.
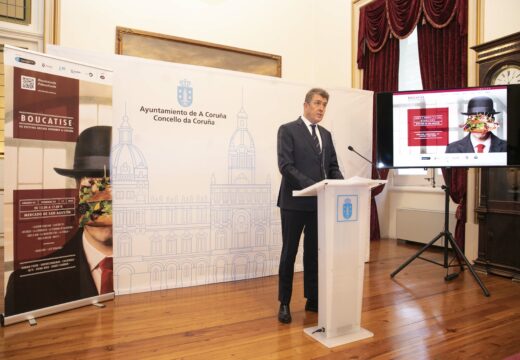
[128, 162]
[241, 153]
[129, 171]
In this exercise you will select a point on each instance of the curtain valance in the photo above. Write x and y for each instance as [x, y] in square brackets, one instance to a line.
[398, 18]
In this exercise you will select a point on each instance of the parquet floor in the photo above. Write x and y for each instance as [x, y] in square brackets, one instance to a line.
[416, 315]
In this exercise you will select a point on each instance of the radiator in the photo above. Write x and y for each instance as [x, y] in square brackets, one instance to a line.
[422, 226]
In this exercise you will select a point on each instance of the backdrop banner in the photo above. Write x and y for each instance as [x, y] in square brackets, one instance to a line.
[194, 168]
[57, 133]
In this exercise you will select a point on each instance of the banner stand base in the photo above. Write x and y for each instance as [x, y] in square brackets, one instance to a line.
[32, 315]
[331, 342]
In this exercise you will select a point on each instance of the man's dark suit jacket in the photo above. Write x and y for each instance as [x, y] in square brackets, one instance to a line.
[52, 288]
[301, 164]
[464, 145]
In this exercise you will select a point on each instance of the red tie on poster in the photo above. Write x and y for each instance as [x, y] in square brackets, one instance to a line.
[480, 148]
[107, 281]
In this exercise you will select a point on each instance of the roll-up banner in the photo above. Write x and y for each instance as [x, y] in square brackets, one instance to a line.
[195, 168]
[58, 194]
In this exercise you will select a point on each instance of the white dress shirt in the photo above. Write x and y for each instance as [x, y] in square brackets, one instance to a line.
[486, 143]
[308, 123]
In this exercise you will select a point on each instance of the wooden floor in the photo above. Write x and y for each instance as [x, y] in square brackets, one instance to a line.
[414, 316]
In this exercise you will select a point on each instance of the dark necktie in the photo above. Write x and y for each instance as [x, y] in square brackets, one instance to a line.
[315, 138]
[107, 280]
[480, 148]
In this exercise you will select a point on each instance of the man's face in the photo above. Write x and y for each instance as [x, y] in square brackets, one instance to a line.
[315, 109]
[482, 136]
[95, 208]
[100, 234]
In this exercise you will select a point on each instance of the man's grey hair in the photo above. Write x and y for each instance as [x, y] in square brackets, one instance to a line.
[322, 92]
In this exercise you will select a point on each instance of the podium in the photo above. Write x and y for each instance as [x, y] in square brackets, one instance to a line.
[343, 233]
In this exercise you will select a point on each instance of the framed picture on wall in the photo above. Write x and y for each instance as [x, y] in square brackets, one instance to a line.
[186, 51]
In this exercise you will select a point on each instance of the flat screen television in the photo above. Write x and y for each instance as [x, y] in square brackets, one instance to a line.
[469, 127]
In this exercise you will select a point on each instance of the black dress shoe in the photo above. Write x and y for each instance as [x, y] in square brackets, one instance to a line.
[284, 314]
[311, 305]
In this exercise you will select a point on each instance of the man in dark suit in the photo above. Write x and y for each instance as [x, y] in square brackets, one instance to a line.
[85, 261]
[479, 124]
[306, 155]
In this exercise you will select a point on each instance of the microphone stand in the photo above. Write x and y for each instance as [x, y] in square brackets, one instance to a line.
[364, 158]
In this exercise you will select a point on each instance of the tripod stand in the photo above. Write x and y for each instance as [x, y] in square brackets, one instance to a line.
[448, 240]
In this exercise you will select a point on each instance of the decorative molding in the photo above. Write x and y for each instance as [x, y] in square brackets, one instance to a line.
[475, 36]
[187, 51]
[503, 46]
[51, 22]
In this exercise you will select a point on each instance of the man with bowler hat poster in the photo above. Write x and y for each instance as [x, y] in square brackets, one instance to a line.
[89, 251]
[479, 124]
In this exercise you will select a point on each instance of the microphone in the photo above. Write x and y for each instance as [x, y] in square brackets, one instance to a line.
[364, 158]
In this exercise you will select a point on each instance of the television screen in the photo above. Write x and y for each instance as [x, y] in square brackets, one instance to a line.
[470, 127]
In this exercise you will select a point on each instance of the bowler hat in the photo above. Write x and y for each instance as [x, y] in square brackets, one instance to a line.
[92, 154]
[480, 105]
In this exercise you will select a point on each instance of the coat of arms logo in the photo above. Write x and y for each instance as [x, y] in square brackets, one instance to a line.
[347, 208]
[184, 93]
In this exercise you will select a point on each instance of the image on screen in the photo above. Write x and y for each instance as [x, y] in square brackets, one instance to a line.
[463, 127]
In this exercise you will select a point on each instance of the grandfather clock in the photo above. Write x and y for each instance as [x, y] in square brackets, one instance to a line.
[499, 206]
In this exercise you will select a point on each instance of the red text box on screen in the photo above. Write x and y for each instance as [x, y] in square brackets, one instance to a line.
[428, 127]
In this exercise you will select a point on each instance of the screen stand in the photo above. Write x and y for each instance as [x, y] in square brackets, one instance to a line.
[448, 240]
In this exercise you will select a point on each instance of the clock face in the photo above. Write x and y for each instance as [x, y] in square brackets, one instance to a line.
[507, 74]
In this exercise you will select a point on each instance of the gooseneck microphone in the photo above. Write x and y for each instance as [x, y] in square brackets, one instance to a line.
[364, 158]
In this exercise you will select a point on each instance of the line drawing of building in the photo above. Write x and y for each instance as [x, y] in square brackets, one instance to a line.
[232, 234]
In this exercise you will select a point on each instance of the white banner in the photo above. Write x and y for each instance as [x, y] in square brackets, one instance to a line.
[194, 168]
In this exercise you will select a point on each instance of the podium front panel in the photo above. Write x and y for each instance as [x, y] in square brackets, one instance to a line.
[343, 217]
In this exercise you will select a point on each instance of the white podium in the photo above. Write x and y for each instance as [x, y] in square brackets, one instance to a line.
[343, 232]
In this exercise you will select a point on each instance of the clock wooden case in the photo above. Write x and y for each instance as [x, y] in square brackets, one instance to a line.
[499, 61]
[499, 198]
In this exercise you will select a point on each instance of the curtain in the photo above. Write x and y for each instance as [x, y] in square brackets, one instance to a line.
[443, 44]
[458, 189]
[380, 63]
[381, 75]
[382, 24]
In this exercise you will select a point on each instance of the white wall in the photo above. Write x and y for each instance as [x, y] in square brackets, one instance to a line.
[313, 37]
[501, 18]
[411, 197]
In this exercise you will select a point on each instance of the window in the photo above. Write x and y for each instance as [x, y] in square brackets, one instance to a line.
[410, 79]
[156, 245]
[409, 68]
[18, 11]
[171, 244]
